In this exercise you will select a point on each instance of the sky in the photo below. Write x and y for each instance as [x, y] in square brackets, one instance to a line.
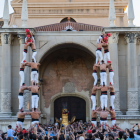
[136, 4]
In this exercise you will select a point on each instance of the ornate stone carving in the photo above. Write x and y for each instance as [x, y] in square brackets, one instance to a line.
[69, 87]
[114, 38]
[132, 100]
[21, 38]
[117, 100]
[5, 102]
[131, 37]
[6, 38]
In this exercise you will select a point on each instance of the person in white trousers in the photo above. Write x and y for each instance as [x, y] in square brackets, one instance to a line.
[113, 116]
[112, 96]
[20, 119]
[34, 89]
[104, 90]
[20, 96]
[21, 72]
[94, 74]
[34, 71]
[27, 43]
[93, 97]
[111, 73]
[106, 53]
[35, 117]
[99, 56]
[103, 75]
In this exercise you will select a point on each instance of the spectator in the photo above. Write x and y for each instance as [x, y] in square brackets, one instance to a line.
[131, 136]
[120, 136]
[10, 131]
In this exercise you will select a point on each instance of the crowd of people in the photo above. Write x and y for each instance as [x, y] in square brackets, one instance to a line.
[91, 130]
[74, 131]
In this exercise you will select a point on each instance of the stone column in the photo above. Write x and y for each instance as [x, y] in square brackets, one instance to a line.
[112, 14]
[113, 48]
[6, 74]
[132, 91]
[6, 18]
[26, 96]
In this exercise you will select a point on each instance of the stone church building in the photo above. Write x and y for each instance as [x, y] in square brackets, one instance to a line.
[65, 33]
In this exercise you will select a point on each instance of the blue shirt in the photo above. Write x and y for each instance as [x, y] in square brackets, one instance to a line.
[10, 133]
[46, 132]
[137, 137]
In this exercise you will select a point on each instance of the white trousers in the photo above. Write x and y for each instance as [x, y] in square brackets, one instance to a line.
[20, 123]
[33, 56]
[103, 123]
[111, 74]
[35, 122]
[103, 101]
[113, 122]
[106, 57]
[20, 101]
[93, 98]
[24, 56]
[99, 56]
[103, 77]
[34, 76]
[94, 122]
[95, 78]
[35, 101]
[112, 98]
[21, 73]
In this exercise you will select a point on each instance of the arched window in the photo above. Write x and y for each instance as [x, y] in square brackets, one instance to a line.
[67, 19]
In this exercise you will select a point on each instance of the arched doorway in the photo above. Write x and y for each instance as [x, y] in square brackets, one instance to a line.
[75, 105]
[64, 65]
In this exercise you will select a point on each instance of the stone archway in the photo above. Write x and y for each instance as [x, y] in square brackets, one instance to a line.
[66, 65]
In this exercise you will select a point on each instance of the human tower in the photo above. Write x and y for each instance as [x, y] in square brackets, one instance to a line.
[34, 88]
[103, 65]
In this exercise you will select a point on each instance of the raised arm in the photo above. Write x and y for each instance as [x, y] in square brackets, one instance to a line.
[98, 88]
[29, 88]
[98, 112]
[28, 63]
[109, 111]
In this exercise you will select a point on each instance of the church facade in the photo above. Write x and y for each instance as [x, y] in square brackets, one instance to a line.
[65, 34]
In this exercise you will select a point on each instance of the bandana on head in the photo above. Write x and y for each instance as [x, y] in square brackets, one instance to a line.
[27, 30]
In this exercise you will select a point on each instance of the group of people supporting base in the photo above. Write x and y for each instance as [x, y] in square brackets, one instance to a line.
[102, 66]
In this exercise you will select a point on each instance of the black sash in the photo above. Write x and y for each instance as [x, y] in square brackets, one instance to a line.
[35, 120]
[20, 94]
[20, 119]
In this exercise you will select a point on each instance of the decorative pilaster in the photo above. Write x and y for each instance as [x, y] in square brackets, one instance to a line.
[6, 18]
[6, 73]
[26, 95]
[21, 38]
[132, 91]
[131, 15]
[112, 14]
[113, 48]
[24, 15]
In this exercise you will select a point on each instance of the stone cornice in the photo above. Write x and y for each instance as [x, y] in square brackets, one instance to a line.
[70, 4]
[16, 30]
[121, 30]
[118, 117]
